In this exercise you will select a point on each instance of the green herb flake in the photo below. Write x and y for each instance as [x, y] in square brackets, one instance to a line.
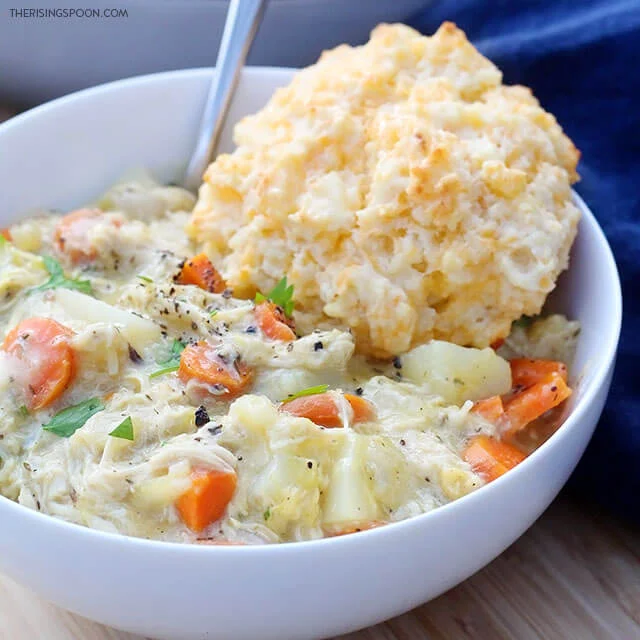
[267, 514]
[145, 278]
[23, 411]
[57, 279]
[164, 370]
[3, 240]
[124, 430]
[172, 363]
[213, 313]
[523, 322]
[309, 391]
[66, 422]
[458, 381]
[177, 348]
[281, 295]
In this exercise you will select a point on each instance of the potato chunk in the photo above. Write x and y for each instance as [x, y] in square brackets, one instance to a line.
[457, 373]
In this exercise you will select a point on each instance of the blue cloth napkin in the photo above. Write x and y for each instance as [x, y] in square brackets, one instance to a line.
[582, 60]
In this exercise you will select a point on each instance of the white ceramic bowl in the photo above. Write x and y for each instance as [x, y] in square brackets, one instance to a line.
[66, 152]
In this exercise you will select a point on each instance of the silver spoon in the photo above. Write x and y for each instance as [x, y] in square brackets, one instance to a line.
[240, 27]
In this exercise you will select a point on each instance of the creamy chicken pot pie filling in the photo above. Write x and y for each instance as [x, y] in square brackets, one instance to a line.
[139, 396]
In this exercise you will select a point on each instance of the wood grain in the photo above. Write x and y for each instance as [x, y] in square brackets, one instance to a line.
[574, 575]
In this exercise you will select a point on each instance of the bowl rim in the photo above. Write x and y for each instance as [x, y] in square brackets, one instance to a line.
[608, 348]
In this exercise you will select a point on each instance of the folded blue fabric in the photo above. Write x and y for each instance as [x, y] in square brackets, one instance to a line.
[581, 60]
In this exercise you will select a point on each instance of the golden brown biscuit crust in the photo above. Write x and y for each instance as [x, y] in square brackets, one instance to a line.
[404, 191]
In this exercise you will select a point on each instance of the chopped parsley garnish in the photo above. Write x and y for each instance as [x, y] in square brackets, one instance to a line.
[172, 363]
[3, 240]
[66, 422]
[144, 278]
[124, 430]
[523, 322]
[281, 295]
[168, 369]
[213, 313]
[23, 411]
[309, 391]
[267, 514]
[58, 279]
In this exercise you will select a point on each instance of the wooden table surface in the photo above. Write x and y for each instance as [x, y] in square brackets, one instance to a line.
[575, 575]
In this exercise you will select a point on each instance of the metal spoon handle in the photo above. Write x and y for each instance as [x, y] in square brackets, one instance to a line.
[241, 25]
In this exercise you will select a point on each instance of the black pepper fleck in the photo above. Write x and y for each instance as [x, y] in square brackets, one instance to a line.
[397, 363]
[318, 346]
[310, 464]
[201, 416]
[403, 442]
[134, 356]
[359, 391]
[214, 431]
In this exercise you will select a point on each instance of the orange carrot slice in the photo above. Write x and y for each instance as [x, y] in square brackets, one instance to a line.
[207, 498]
[526, 372]
[491, 458]
[363, 410]
[490, 408]
[322, 409]
[200, 272]
[42, 347]
[203, 362]
[534, 401]
[71, 234]
[6, 234]
[273, 322]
